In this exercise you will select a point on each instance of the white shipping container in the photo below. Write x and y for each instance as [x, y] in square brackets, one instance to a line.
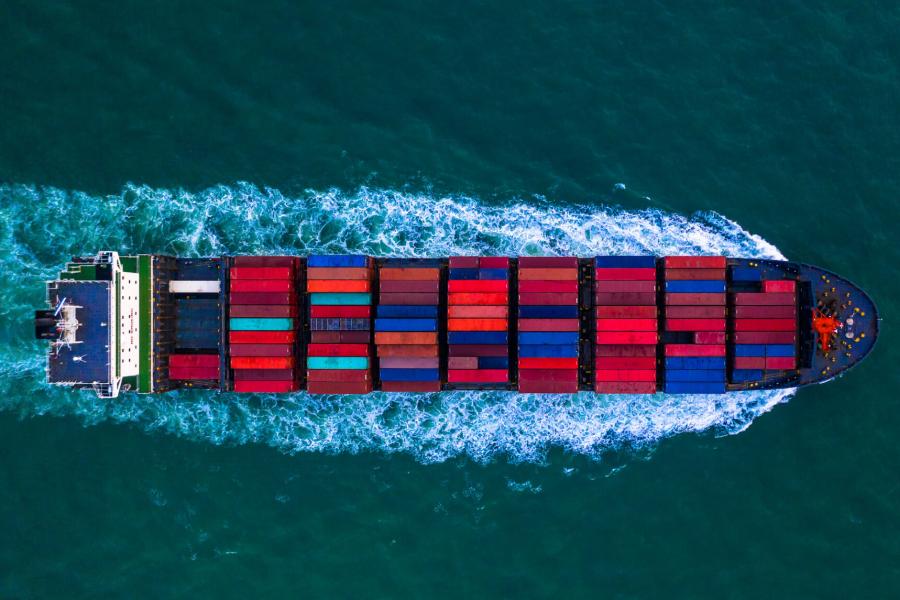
[194, 287]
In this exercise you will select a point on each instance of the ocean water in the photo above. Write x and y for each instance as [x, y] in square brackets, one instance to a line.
[425, 129]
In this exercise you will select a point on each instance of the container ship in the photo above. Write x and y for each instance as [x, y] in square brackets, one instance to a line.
[353, 324]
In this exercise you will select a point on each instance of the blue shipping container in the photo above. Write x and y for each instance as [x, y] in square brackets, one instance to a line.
[548, 312]
[744, 375]
[749, 350]
[409, 375]
[695, 286]
[558, 338]
[695, 362]
[405, 324]
[745, 274]
[336, 260]
[694, 387]
[548, 351]
[625, 262]
[497, 274]
[463, 273]
[780, 350]
[408, 312]
[493, 362]
[477, 337]
[695, 375]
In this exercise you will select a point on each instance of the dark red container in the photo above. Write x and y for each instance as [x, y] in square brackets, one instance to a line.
[463, 262]
[548, 363]
[626, 337]
[262, 298]
[265, 261]
[261, 285]
[264, 374]
[625, 387]
[261, 337]
[694, 299]
[339, 387]
[340, 312]
[548, 299]
[194, 360]
[263, 311]
[477, 350]
[695, 274]
[261, 349]
[709, 337]
[548, 387]
[419, 286]
[695, 324]
[626, 350]
[781, 362]
[787, 285]
[478, 285]
[626, 325]
[767, 299]
[625, 362]
[547, 262]
[337, 349]
[271, 387]
[616, 274]
[694, 350]
[548, 274]
[765, 324]
[261, 273]
[765, 337]
[340, 337]
[645, 375]
[477, 375]
[749, 362]
[695, 312]
[549, 324]
[765, 312]
[493, 262]
[624, 298]
[625, 286]
[410, 298]
[409, 273]
[626, 312]
[411, 386]
[548, 286]
[182, 373]
[695, 262]
[570, 375]
[338, 375]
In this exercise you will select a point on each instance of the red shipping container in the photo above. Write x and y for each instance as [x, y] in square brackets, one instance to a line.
[470, 298]
[406, 337]
[765, 324]
[411, 350]
[266, 261]
[549, 375]
[409, 363]
[272, 387]
[625, 375]
[626, 312]
[477, 324]
[463, 262]
[548, 299]
[340, 337]
[261, 337]
[695, 262]
[194, 360]
[695, 312]
[695, 274]
[548, 363]
[679, 299]
[694, 350]
[477, 375]
[625, 387]
[787, 285]
[477, 312]
[340, 312]
[625, 362]
[338, 285]
[261, 273]
[765, 337]
[548, 286]
[767, 299]
[339, 387]
[695, 324]
[626, 337]
[765, 312]
[338, 375]
[180, 373]
[624, 286]
[410, 298]
[616, 274]
[493, 262]
[462, 362]
[261, 350]
[399, 285]
[337, 349]
[262, 298]
[548, 262]
[625, 350]
[549, 324]
[626, 325]
[264, 375]
[548, 274]
[781, 362]
[263, 311]
[261, 285]
[477, 350]
[709, 337]
[411, 386]
[478, 285]
[251, 362]
[548, 387]
[749, 362]
[409, 273]
[339, 273]
[625, 298]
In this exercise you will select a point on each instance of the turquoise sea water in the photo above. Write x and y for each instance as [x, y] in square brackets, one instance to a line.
[415, 129]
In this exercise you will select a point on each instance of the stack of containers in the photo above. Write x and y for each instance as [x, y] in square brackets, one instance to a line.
[264, 324]
[765, 331]
[695, 307]
[196, 289]
[406, 327]
[478, 320]
[340, 313]
[548, 324]
[626, 324]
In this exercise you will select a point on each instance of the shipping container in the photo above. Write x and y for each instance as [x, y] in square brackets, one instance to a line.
[694, 350]
[408, 298]
[340, 337]
[549, 375]
[493, 362]
[477, 376]
[625, 350]
[477, 337]
[337, 362]
[548, 312]
[549, 324]
[694, 299]
[749, 362]
[266, 261]
[787, 285]
[340, 312]
[245, 324]
[695, 312]
[625, 362]
[409, 363]
[264, 374]
[260, 285]
[625, 375]
[477, 324]
[193, 373]
[548, 262]
[765, 324]
[463, 262]
[695, 375]
[493, 262]
[744, 350]
[548, 299]
[695, 362]
[765, 337]
[462, 362]
[261, 273]
[348, 273]
[339, 299]
[560, 338]
[408, 351]
[409, 375]
[765, 312]
[765, 298]
[194, 360]
[625, 387]
[709, 337]
[261, 363]
[339, 324]
[406, 337]
[625, 262]
[548, 363]
[615, 274]
[694, 262]
[337, 260]
[333, 285]
[194, 287]
[745, 274]
[626, 325]
[383, 324]
[481, 299]
[622, 286]
[745, 375]
[548, 351]
[477, 285]
[569, 287]
[404, 286]
[694, 387]
[780, 350]
[289, 298]
[493, 274]
[261, 350]
[780, 362]
[695, 287]
[477, 312]
[695, 324]
[409, 274]
[626, 337]
[702, 274]
[264, 311]
[626, 312]
[476, 350]
[337, 349]
[548, 274]
[625, 298]
[401, 311]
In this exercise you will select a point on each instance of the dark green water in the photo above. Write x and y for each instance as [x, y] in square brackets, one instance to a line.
[128, 125]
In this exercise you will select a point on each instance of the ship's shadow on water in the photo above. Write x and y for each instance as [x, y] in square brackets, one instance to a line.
[45, 226]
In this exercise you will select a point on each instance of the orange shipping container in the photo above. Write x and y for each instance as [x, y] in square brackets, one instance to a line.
[548, 274]
[405, 337]
[476, 312]
[339, 273]
[406, 274]
[338, 285]
[476, 324]
[472, 298]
